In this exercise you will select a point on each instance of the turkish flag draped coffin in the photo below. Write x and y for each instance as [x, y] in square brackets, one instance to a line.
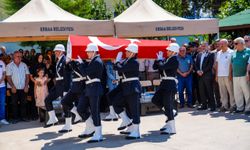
[109, 47]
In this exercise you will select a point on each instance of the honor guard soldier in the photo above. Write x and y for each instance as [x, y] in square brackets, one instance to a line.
[131, 90]
[115, 96]
[164, 96]
[62, 84]
[93, 93]
[70, 100]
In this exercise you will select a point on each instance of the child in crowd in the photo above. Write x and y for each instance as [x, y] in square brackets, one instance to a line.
[41, 89]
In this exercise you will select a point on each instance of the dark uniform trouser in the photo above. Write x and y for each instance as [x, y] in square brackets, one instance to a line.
[132, 103]
[89, 105]
[67, 102]
[116, 98]
[163, 98]
[53, 95]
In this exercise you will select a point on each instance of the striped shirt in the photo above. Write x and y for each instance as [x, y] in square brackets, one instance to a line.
[18, 74]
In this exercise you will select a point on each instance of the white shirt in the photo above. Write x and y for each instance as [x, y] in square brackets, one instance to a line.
[142, 66]
[224, 60]
[149, 64]
[2, 70]
[18, 74]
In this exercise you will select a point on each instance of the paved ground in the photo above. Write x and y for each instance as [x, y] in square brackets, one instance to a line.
[195, 131]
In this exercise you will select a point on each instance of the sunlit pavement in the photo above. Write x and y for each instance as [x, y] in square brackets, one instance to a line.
[196, 130]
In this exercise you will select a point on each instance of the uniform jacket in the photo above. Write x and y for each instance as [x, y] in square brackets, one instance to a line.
[93, 70]
[170, 67]
[130, 69]
[77, 86]
[62, 70]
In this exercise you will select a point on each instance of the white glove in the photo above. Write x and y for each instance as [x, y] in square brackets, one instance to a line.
[68, 59]
[79, 59]
[118, 57]
[160, 55]
[64, 93]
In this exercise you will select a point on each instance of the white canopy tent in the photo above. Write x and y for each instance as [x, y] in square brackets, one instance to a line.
[146, 19]
[42, 20]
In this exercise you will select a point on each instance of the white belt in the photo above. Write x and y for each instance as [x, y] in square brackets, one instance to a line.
[78, 79]
[92, 81]
[59, 78]
[170, 78]
[130, 79]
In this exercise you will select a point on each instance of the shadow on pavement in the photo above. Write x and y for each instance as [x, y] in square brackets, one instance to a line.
[231, 116]
[226, 115]
[46, 136]
[111, 141]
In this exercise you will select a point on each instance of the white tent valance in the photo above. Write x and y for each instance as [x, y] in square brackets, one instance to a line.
[42, 19]
[145, 18]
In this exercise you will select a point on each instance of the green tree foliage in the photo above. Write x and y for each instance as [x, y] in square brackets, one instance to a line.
[120, 6]
[173, 6]
[11, 6]
[80, 8]
[3, 14]
[99, 10]
[231, 7]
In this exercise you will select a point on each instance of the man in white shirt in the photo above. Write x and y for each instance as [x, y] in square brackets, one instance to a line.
[2, 93]
[17, 74]
[215, 84]
[224, 76]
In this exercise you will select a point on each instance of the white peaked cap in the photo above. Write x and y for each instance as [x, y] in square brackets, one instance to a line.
[174, 47]
[59, 47]
[92, 47]
[132, 47]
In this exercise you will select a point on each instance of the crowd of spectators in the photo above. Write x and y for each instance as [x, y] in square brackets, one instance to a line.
[19, 78]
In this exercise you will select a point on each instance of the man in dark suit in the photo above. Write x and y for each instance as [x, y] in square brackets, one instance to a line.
[204, 64]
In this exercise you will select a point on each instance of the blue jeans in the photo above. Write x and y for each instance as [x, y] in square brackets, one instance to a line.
[2, 102]
[185, 83]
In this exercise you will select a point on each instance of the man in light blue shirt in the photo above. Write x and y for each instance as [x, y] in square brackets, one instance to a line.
[184, 77]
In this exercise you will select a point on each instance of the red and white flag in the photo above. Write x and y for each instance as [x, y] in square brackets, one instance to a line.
[109, 46]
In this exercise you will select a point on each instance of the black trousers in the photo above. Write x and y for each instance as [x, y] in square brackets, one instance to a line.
[163, 98]
[68, 102]
[132, 105]
[195, 90]
[53, 95]
[31, 108]
[115, 97]
[206, 92]
[89, 105]
[19, 97]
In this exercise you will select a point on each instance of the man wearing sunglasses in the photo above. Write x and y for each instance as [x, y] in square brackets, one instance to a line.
[240, 84]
